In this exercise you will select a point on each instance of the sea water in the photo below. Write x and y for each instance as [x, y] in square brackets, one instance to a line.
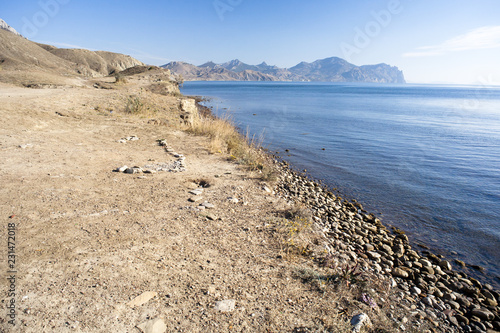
[425, 158]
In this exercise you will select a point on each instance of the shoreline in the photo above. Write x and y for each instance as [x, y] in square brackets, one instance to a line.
[430, 279]
[115, 251]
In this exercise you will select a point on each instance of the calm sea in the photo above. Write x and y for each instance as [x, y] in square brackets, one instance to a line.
[426, 158]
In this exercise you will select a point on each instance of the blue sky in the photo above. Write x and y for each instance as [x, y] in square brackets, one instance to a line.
[447, 41]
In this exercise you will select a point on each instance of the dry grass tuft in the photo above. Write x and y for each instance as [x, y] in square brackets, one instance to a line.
[226, 139]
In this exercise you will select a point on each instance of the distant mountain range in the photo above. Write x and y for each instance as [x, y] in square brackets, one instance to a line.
[325, 70]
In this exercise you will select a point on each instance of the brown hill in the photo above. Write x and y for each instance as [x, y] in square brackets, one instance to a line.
[17, 53]
[25, 62]
[99, 62]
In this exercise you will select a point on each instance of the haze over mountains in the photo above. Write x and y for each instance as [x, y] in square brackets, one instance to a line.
[324, 70]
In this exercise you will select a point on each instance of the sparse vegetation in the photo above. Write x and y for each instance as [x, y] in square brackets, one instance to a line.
[225, 139]
[120, 79]
[179, 80]
[134, 104]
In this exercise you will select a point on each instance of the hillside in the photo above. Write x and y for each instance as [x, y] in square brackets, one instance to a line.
[99, 62]
[25, 62]
[325, 70]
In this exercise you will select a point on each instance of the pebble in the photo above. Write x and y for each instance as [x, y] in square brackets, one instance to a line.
[153, 326]
[360, 320]
[225, 306]
[416, 290]
[28, 145]
[483, 314]
[133, 170]
[267, 189]
[142, 298]
[445, 265]
[208, 205]
[196, 192]
[195, 199]
[233, 200]
[398, 272]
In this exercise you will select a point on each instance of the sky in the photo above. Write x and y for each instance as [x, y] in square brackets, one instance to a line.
[446, 41]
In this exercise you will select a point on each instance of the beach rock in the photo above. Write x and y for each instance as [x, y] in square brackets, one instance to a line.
[122, 169]
[462, 319]
[360, 320]
[428, 301]
[454, 305]
[416, 290]
[373, 255]
[428, 270]
[153, 326]
[142, 298]
[463, 301]
[425, 262]
[445, 265]
[195, 199]
[398, 272]
[369, 247]
[483, 314]
[398, 250]
[225, 306]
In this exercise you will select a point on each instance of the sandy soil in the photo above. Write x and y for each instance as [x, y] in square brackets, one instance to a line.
[90, 240]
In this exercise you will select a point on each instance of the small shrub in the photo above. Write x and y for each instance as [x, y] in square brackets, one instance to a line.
[119, 78]
[134, 104]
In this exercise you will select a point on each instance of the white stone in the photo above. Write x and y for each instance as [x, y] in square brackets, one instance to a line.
[225, 306]
[360, 320]
[142, 298]
[197, 191]
[233, 200]
[208, 205]
[153, 326]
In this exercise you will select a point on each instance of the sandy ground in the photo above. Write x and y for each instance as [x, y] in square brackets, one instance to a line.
[89, 240]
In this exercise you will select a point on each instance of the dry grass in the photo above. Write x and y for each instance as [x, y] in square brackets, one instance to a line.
[226, 139]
